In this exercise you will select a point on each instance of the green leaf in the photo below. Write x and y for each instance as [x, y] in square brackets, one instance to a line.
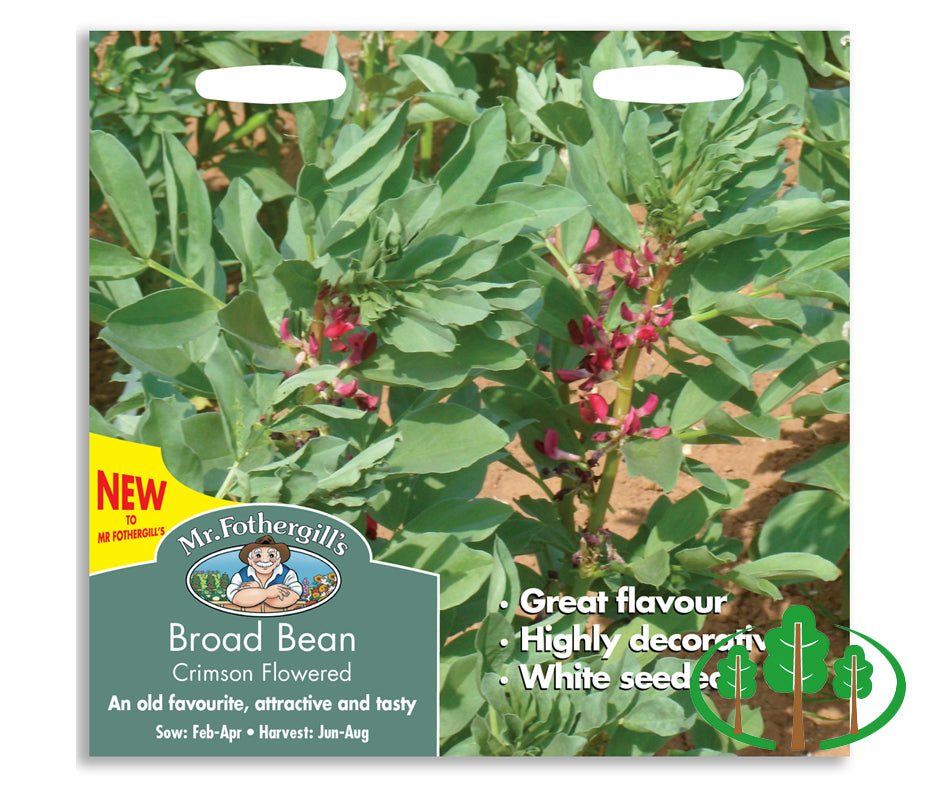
[660, 715]
[705, 388]
[452, 306]
[190, 213]
[409, 331]
[607, 126]
[705, 476]
[802, 213]
[811, 366]
[643, 169]
[566, 122]
[245, 320]
[125, 188]
[344, 233]
[463, 571]
[300, 280]
[763, 575]
[500, 222]
[466, 175]
[99, 426]
[435, 78]
[442, 438]
[236, 403]
[516, 405]
[349, 474]
[475, 351]
[653, 570]
[162, 425]
[813, 44]
[361, 163]
[610, 212]
[747, 52]
[655, 459]
[552, 205]
[816, 284]
[705, 341]
[459, 109]
[827, 468]
[163, 319]
[460, 695]
[777, 310]
[813, 406]
[323, 373]
[504, 581]
[685, 518]
[256, 170]
[237, 221]
[701, 559]
[107, 261]
[494, 629]
[470, 521]
[751, 425]
[809, 521]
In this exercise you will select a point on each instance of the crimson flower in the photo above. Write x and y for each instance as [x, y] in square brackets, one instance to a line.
[636, 274]
[599, 364]
[361, 345]
[595, 409]
[648, 320]
[549, 447]
[351, 391]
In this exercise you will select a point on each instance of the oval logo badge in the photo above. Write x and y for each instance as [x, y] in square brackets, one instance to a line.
[264, 578]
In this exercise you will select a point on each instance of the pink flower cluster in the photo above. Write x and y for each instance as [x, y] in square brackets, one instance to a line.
[595, 409]
[647, 320]
[596, 551]
[340, 330]
[351, 391]
[636, 268]
[598, 364]
[604, 348]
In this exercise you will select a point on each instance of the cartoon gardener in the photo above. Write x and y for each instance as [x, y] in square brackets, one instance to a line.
[267, 578]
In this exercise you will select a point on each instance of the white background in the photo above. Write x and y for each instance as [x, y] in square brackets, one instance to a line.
[894, 319]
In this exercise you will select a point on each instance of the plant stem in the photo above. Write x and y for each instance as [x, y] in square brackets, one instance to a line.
[829, 147]
[625, 381]
[229, 480]
[569, 271]
[183, 280]
[427, 148]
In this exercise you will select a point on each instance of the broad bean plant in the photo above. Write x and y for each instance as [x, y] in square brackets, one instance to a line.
[462, 281]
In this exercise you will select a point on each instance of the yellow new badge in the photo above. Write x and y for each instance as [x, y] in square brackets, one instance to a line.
[134, 502]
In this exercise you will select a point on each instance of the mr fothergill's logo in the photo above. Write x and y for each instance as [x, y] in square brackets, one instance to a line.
[264, 577]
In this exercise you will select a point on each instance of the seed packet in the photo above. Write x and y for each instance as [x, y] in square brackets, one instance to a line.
[476, 409]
